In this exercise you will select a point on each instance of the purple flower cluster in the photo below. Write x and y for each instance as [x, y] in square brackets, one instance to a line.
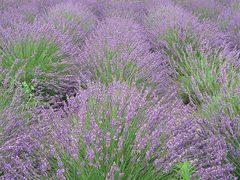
[111, 130]
[204, 9]
[74, 18]
[109, 89]
[121, 43]
[38, 52]
[21, 154]
[206, 151]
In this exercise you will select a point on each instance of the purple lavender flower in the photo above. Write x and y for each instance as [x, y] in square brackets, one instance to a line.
[39, 47]
[74, 18]
[167, 18]
[227, 101]
[103, 128]
[21, 153]
[228, 128]
[161, 19]
[205, 151]
[191, 48]
[134, 10]
[118, 49]
[202, 8]
[14, 13]
[222, 113]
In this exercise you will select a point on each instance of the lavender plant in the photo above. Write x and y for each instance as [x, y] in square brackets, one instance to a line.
[227, 102]
[43, 56]
[15, 13]
[206, 151]
[195, 61]
[198, 74]
[20, 157]
[74, 18]
[135, 10]
[202, 8]
[108, 133]
[228, 128]
[166, 18]
[222, 113]
[122, 54]
[202, 73]
[21, 153]
[169, 17]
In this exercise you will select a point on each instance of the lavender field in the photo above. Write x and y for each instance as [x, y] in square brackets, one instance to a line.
[119, 89]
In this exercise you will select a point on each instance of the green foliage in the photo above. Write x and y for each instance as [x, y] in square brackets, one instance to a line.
[236, 6]
[234, 159]
[197, 72]
[22, 58]
[227, 101]
[31, 54]
[28, 89]
[226, 104]
[69, 16]
[108, 72]
[12, 89]
[185, 170]
[6, 95]
[128, 72]
[71, 22]
[205, 13]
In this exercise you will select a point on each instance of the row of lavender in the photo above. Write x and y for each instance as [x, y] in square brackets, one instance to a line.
[119, 89]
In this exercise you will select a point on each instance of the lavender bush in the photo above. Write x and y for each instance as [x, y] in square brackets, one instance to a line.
[17, 160]
[74, 18]
[227, 128]
[198, 73]
[135, 10]
[43, 56]
[202, 8]
[21, 153]
[206, 152]
[111, 132]
[13, 13]
[222, 113]
[122, 53]
[194, 59]
[227, 101]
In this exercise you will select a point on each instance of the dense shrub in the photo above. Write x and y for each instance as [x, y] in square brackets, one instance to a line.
[73, 18]
[111, 132]
[41, 57]
[122, 54]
